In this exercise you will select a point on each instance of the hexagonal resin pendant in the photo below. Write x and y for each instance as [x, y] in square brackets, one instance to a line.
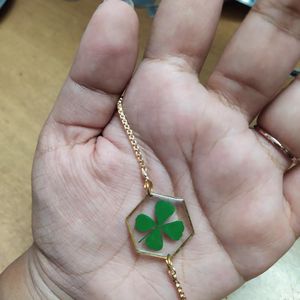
[160, 225]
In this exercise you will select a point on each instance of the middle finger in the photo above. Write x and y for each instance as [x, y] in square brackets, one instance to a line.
[260, 56]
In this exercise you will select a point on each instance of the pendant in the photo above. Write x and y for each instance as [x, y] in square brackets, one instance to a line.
[160, 226]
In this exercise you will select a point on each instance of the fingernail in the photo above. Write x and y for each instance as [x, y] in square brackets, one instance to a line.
[130, 2]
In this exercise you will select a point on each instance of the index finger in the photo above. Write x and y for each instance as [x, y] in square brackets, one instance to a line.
[184, 29]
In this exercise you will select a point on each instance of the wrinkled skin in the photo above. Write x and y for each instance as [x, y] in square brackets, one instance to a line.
[198, 146]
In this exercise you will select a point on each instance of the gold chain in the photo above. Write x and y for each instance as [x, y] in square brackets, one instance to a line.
[147, 185]
[173, 274]
[136, 148]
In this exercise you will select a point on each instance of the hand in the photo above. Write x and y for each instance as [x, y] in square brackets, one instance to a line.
[197, 141]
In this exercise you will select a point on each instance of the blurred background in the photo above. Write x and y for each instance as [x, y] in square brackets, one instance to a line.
[38, 40]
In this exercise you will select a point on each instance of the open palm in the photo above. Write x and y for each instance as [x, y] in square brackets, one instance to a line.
[198, 146]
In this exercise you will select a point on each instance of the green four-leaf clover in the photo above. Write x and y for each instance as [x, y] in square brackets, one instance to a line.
[155, 229]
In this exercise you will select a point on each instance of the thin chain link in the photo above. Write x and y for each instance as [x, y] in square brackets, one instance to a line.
[135, 146]
[173, 274]
[147, 185]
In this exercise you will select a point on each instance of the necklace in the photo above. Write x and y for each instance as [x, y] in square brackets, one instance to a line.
[159, 226]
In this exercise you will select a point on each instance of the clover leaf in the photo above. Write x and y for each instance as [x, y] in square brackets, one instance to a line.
[156, 229]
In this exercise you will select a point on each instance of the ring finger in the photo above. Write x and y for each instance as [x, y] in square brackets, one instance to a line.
[281, 119]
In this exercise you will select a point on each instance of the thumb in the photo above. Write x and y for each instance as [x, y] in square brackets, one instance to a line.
[103, 65]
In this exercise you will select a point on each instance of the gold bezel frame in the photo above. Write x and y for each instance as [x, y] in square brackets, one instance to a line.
[164, 198]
